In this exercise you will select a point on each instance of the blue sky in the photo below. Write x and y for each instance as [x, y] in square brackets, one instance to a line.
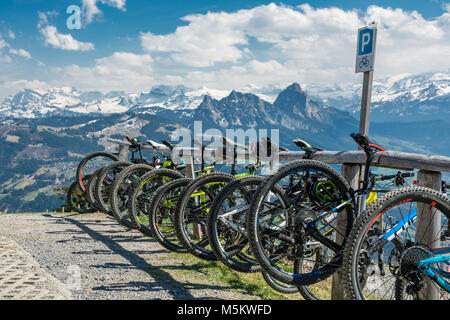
[132, 45]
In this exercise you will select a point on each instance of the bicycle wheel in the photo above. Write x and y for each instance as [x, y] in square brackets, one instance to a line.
[162, 213]
[90, 187]
[227, 234]
[76, 199]
[92, 162]
[141, 195]
[226, 224]
[120, 192]
[192, 213]
[280, 234]
[388, 241]
[103, 186]
[279, 286]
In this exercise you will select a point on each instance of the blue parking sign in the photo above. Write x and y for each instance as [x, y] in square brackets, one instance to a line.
[365, 51]
[366, 41]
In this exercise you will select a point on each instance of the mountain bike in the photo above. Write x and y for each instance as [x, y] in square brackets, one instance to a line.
[128, 185]
[301, 242]
[194, 204]
[399, 248]
[226, 222]
[92, 163]
[144, 190]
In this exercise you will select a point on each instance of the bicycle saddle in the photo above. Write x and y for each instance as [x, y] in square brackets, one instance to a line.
[364, 142]
[302, 144]
[156, 145]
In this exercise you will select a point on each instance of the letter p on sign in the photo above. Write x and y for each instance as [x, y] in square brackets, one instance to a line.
[366, 42]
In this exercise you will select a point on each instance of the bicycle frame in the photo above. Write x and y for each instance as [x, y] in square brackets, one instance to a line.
[437, 275]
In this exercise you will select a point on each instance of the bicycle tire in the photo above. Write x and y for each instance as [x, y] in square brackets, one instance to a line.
[120, 192]
[229, 257]
[138, 205]
[104, 183]
[279, 286]
[81, 165]
[90, 187]
[374, 212]
[197, 248]
[81, 206]
[154, 215]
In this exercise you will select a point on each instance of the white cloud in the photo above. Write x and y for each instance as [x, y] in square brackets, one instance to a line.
[18, 85]
[63, 41]
[120, 71]
[59, 40]
[208, 39]
[3, 44]
[263, 45]
[21, 52]
[90, 8]
[318, 44]
[4, 57]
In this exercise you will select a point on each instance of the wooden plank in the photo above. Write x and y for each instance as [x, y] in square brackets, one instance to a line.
[429, 226]
[123, 152]
[191, 174]
[351, 173]
[387, 159]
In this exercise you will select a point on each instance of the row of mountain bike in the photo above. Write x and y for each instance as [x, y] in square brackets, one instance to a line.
[297, 226]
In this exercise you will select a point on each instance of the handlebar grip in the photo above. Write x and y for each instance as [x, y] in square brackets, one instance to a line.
[408, 174]
[383, 178]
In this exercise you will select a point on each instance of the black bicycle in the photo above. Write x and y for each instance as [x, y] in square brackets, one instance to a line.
[300, 242]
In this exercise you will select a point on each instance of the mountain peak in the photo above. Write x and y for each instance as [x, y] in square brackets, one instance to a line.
[295, 87]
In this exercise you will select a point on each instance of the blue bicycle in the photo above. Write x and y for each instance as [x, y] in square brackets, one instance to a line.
[399, 248]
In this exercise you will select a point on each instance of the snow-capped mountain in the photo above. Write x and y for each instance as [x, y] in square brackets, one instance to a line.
[61, 101]
[404, 97]
[71, 102]
[68, 101]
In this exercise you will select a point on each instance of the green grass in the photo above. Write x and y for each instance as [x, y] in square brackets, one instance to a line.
[189, 270]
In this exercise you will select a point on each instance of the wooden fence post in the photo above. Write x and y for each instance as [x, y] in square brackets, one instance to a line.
[123, 152]
[351, 173]
[191, 174]
[429, 225]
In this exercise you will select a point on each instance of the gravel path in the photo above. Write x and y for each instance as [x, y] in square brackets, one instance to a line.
[98, 259]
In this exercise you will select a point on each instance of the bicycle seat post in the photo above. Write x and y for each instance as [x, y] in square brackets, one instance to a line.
[370, 150]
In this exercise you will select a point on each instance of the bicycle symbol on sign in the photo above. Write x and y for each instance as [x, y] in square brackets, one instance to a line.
[364, 62]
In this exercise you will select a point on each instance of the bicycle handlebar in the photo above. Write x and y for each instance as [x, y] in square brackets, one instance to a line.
[393, 176]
